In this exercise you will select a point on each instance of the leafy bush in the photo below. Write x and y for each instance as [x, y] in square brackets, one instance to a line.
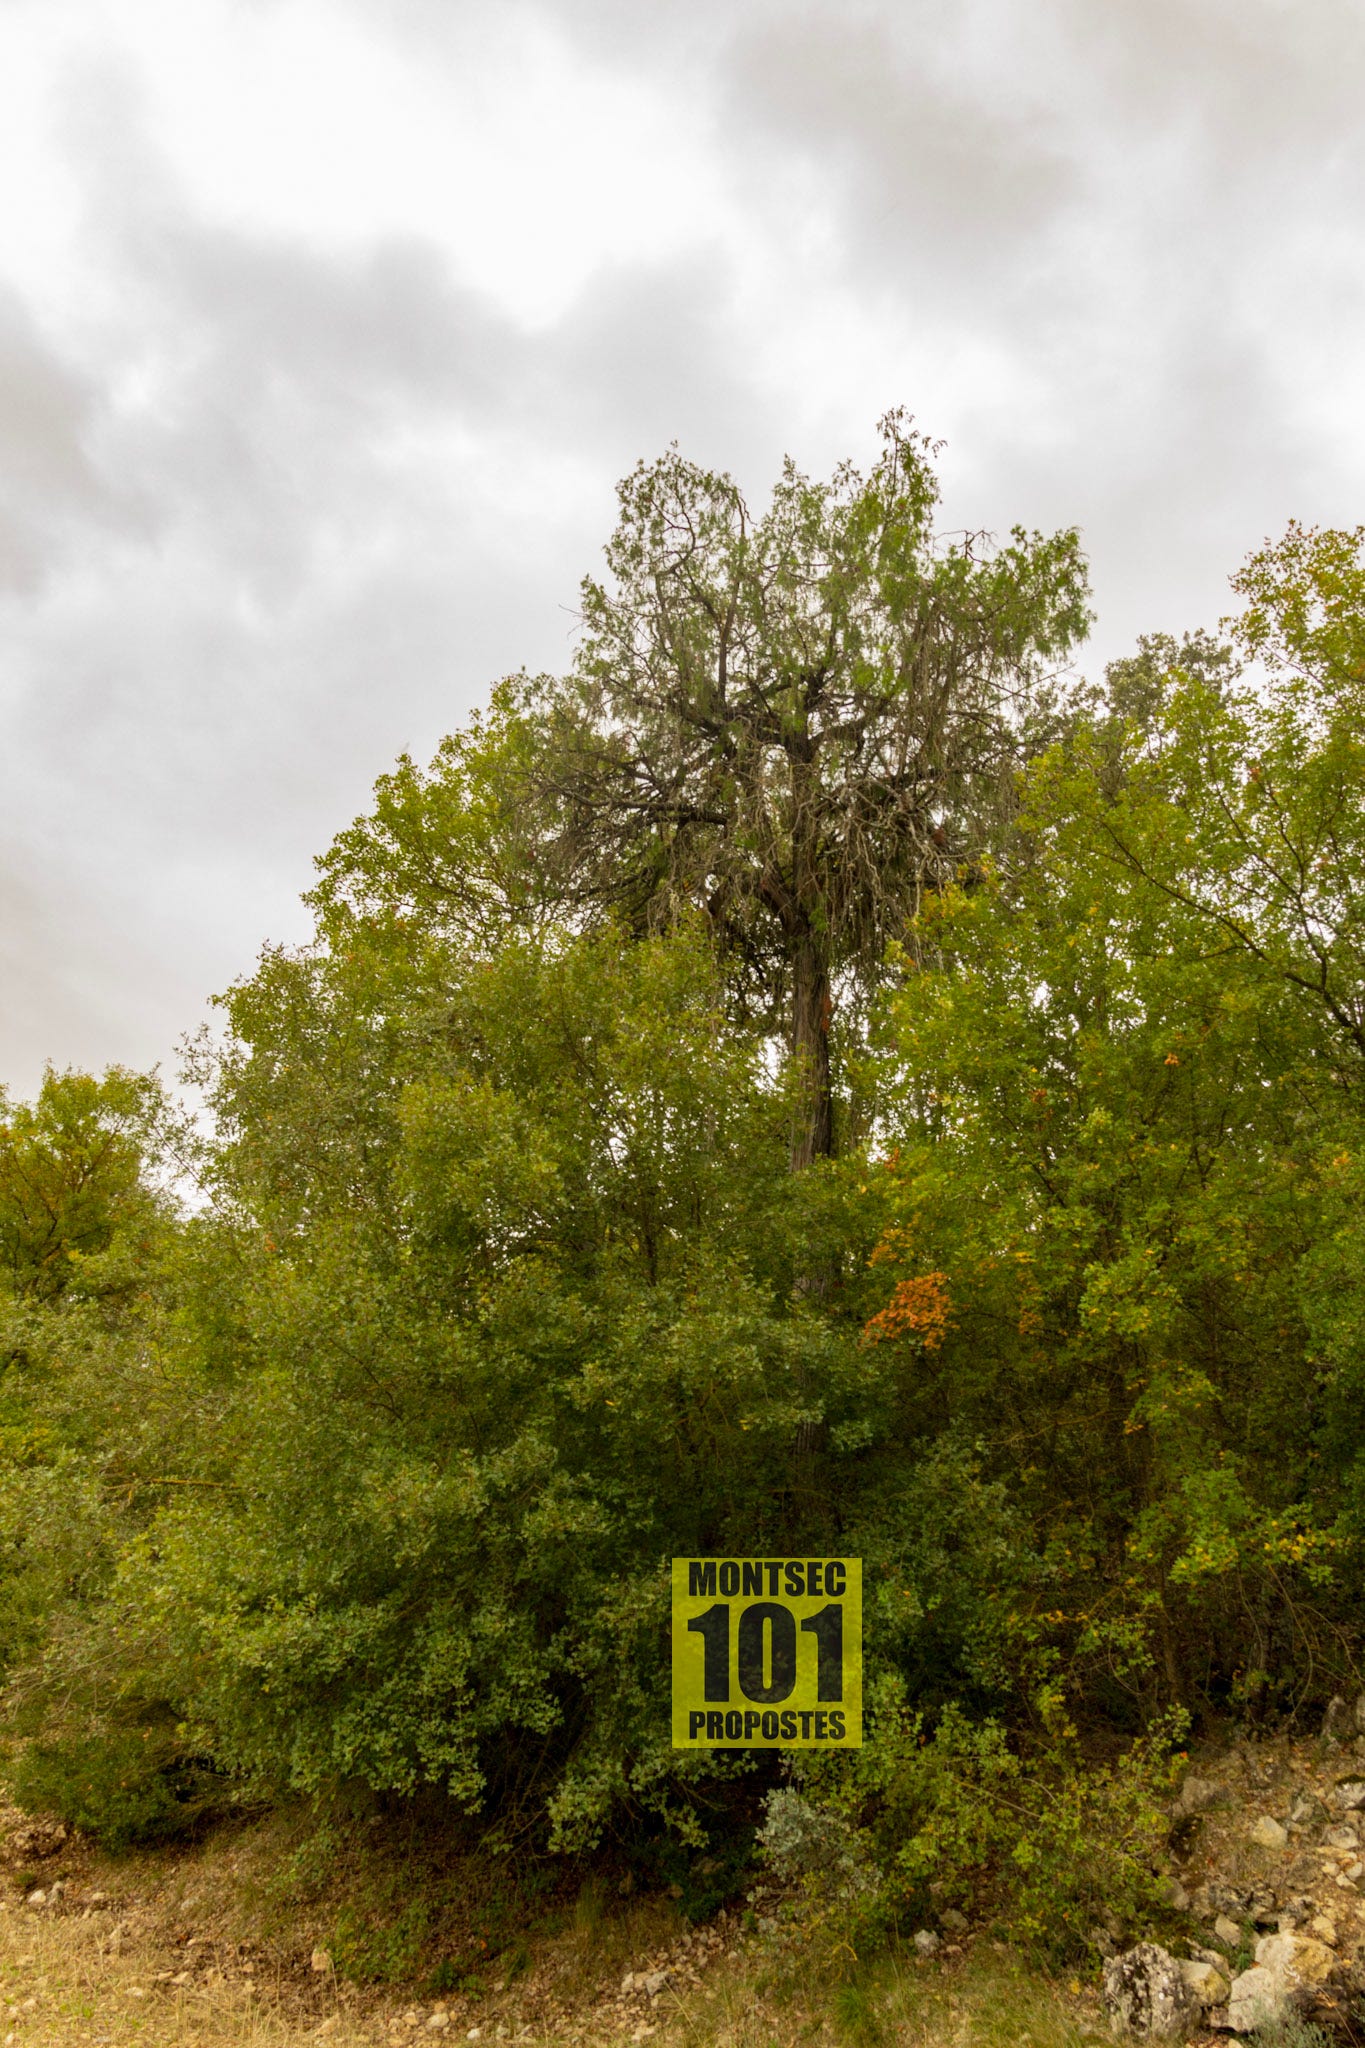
[701, 1876]
[807, 1845]
[1049, 1846]
[119, 1785]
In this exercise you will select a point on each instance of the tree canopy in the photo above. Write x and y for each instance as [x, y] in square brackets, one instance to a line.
[791, 725]
[71, 1175]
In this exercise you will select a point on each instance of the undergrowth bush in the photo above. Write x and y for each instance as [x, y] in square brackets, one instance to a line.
[120, 1786]
[1293, 2031]
[1050, 1846]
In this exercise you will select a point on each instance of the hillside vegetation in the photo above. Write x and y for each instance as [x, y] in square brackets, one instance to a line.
[813, 1080]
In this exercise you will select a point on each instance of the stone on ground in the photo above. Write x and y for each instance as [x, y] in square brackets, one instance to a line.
[1287, 1967]
[1208, 1981]
[1257, 1999]
[1146, 1993]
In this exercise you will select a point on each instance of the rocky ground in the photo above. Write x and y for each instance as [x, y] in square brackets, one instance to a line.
[1269, 1855]
[98, 1969]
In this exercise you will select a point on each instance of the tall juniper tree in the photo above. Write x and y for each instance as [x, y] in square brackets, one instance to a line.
[797, 722]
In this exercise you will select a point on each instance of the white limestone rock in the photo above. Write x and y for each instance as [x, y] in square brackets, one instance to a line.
[1146, 1993]
[1208, 1981]
[1258, 1999]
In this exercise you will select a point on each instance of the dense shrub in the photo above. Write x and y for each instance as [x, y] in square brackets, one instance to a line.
[1056, 1849]
[120, 1785]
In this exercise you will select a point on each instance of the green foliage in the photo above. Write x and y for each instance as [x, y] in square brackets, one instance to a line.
[773, 716]
[785, 724]
[500, 1291]
[702, 1876]
[1129, 1133]
[405, 1921]
[512, 1329]
[383, 1949]
[1051, 1845]
[856, 2013]
[120, 1785]
[460, 849]
[71, 1180]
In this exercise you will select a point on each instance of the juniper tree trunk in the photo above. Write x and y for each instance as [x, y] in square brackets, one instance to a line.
[813, 1132]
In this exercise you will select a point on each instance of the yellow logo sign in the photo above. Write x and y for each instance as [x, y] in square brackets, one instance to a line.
[767, 1652]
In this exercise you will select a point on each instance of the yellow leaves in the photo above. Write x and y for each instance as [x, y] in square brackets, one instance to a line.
[894, 1245]
[1295, 1542]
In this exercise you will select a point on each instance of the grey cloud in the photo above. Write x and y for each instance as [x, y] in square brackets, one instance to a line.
[277, 372]
[296, 374]
[1097, 244]
[957, 179]
[609, 31]
[1147, 212]
[297, 599]
[650, 355]
[47, 480]
[1254, 76]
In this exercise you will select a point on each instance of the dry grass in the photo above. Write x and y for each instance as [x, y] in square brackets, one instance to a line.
[212, 1946]
[985, 2000]
[68, 1979]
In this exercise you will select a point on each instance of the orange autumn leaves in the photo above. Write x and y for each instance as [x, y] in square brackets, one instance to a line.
[920, 1308]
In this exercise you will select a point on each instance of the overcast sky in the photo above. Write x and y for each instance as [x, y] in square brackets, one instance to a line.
[327, 326]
